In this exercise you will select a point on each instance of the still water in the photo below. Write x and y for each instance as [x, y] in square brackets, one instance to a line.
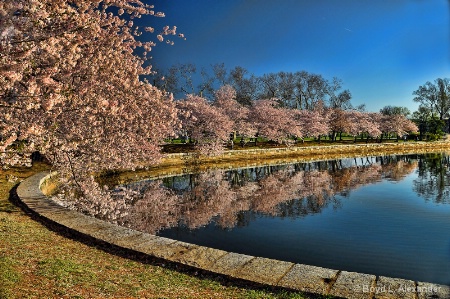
[385, 215]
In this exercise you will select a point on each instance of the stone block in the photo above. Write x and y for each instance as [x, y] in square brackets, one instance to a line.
[89, 226]
[353, 285]
[310, 279]
[115, 234]
[264, 270]
[59, 216]
[164, 248]
[230, 263]
[130, 240]
[427, 290]
[393, 288]
[147, 241]
[200, 257]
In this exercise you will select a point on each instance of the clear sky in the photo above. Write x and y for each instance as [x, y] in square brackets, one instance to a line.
[381, 49]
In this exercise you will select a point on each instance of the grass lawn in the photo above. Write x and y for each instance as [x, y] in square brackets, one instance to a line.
[177, 147]
[37, 261]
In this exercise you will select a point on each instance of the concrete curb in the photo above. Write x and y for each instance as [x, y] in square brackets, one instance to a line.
[333, 148]
[306, 278]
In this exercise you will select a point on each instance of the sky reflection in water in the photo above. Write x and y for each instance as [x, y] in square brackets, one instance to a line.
[380, 215]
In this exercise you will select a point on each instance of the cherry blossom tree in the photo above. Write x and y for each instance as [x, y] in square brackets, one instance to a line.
[363, 123]
[70, 86]
[397, 124]
[225, 101]
[372, 124]
[314, 123]
[204, 123]
[273, 122]
[340, 122]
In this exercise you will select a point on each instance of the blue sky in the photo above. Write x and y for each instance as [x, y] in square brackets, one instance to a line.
[381, 49]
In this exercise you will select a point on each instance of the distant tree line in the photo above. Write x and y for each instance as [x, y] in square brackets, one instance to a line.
[209, 124]
[303, 90]
[433, 114]
[300, 90]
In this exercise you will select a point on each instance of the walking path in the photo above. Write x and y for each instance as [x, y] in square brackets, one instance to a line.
[306, 278]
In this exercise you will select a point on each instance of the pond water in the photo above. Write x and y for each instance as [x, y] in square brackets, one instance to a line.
[385, 215]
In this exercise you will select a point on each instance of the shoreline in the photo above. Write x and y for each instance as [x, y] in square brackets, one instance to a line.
[178, 163]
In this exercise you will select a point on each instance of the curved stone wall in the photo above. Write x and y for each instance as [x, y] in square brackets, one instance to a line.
[300, 277]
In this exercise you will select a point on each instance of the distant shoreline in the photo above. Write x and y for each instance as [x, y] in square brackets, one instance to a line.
[179, 163]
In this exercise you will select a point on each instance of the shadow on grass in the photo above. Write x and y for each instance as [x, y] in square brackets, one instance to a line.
[7, 207]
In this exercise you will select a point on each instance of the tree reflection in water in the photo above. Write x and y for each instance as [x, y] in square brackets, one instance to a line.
[294, 190]
[433, 179]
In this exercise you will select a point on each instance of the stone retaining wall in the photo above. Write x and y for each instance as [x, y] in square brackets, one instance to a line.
[297, 151]
[306, 278]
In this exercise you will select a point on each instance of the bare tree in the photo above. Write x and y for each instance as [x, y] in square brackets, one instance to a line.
[435, 96]
[338, 99]
[245, 85]
[182, 79]
[269, 85]
[287, 88]
[395, 110]
[310, 89]
[220, 73]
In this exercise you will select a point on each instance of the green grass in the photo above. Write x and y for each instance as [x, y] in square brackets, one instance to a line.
[65, 272]
[9, 276]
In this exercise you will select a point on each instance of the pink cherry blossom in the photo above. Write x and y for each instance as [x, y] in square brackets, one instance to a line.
[208, 126]
[273, 122]
[225, 101]
[70, 88]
